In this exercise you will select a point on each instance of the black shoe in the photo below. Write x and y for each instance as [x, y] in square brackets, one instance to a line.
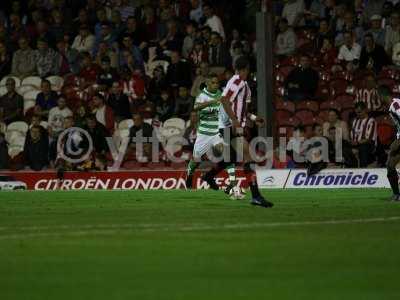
[189, 182]
[260, 201]
[228, 189]
[211, 182]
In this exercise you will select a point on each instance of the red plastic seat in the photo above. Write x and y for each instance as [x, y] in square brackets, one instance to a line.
[308, 105]
[323, 92]
[283, 114]
[291, 121]
[284, 70]
[323, 115]
[387, 81]
[305, 116]
[345, 101]
[338, 86]
[285, 105]
[347, 114]
[326, 105]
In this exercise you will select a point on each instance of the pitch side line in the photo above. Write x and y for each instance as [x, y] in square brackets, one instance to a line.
[111, 229]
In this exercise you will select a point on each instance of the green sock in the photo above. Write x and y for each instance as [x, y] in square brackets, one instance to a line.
[192, 165]
[232, 175]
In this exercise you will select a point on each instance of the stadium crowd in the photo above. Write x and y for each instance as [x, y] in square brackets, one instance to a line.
[118, 67]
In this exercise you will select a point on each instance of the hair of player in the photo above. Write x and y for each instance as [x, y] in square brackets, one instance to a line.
[361, 105]
[242, 63]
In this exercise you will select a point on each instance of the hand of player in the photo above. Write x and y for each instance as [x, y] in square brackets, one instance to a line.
[260, 122]
[237, 128]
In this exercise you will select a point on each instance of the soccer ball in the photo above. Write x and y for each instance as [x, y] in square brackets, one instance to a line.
[237, 193]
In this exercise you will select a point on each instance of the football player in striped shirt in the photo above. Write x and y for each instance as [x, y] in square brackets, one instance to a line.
[208, 137]
[232, 120]
[394, 152]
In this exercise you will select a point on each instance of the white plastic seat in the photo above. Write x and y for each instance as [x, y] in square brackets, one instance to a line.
[31, 95]
[18, 126]
[32, 80]
[3, 91]
[28, 104]
[44, 124]
[23, 89]
[4, 80]
[175, 123]
[57, 82]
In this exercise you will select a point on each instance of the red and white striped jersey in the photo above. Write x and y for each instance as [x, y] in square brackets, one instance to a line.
[239, 94]
[370, 98]
[364, 129]
[394, 112]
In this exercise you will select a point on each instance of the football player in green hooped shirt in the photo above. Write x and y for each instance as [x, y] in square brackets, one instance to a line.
[208, 139]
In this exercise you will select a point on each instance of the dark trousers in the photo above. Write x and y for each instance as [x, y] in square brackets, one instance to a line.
[366, 154]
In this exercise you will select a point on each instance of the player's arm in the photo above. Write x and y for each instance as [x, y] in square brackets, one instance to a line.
[228, 109]
[258, 120]
[201, 105]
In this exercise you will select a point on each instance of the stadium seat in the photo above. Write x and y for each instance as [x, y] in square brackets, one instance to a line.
[18, 126]
[345, 101]
[347, 114]
[31, 95]
[308, 105]
[28, 104]
[387, 81]
[175, 123]
[125, 124]
[326, 105]
[32, 80]
[285, 70]
[282, 115]
[305, 116]
[15, 139]
[285, 105]
[323, 92]
[338, 87]
[57, 82]
[290, 121]
[388, 73]
[3, 91]
[44, 124]
[4, 79]
[22, 89]
[323, 115]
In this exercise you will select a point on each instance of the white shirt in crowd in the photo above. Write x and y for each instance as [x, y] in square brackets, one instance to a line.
[292, 9]
[349, 54]
[57, 117]
[216, 25]
[83, 44]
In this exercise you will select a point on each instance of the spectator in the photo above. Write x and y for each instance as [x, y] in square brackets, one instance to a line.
[293, 12]
[135, 33]
[58, 28]
[101, 15]
[107, 75]
[296, 146]
[164, 106]
[11, 104]
[348, 158]
[110, 53]
[24, 60]
[126, 10]
[36, 150]
[47, 60]
[98, 134]
[392, 36]
[328, 54]
[373, 56]
[302, 81]
[190, 134]
[104, 113]
[373, 7]
[3, 126]
[117, 24]
[334, 121]
[188, 41]
[42, 33]
[218, 54]
[133, 86]
[46, 99]
[36, 120]
[349, 25]
[315, 151]
[16, 30]
[84, 41]
[83, 20]
[157, 83]
[179, 72]
[349, 52]
[183, 103]
[213, 21]
[150, 24]
[5, 60]
[173, 40]
[69, 58]
[198, 54]
[396, 54]
[324, 32]
[196, 13]
[89, 70]
[363, 135]
[119, 103]
[4, 157]
[138, 130]
[369, 95]
[133, 50]
[202, 73]
[106, 36]
[57, 116]
[376, 30]
[286, 39]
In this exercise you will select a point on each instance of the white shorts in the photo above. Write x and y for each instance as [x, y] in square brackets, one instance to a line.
[205, 143]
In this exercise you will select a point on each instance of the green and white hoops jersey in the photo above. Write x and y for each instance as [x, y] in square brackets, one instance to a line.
[208, 117]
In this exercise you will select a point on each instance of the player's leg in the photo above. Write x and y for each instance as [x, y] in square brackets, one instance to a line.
[393, 160]
[229, 167]
[241, 145]
[201, 146]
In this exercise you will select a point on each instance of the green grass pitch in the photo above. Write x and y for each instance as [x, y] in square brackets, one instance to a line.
[199, 245]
